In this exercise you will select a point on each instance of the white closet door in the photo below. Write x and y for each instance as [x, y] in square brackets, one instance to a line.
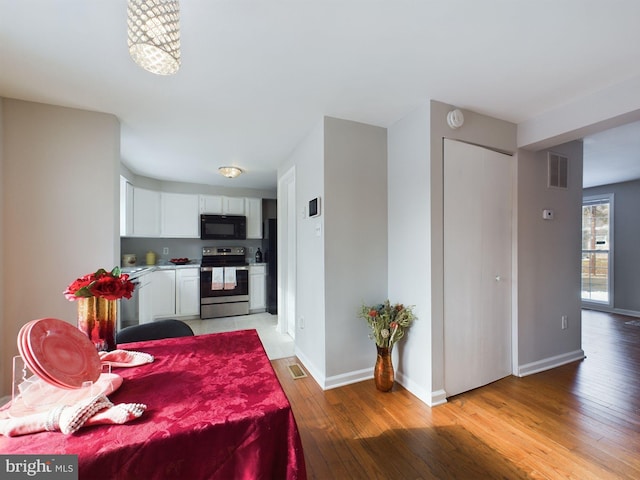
[477, 266]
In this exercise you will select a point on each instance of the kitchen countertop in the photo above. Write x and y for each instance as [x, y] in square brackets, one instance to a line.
[139, 270]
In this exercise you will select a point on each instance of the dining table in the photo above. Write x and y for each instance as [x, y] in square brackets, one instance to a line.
[215, 409]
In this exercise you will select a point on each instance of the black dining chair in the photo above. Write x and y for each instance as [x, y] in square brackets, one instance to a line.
[154, 331]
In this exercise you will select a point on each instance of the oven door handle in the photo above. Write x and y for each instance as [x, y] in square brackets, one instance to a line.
[209, 269]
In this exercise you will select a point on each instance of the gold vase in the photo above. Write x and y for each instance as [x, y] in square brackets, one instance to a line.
[383, 371]
[97, 319]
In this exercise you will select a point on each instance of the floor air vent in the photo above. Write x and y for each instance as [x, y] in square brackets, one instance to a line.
[296, 371]
[558, 170]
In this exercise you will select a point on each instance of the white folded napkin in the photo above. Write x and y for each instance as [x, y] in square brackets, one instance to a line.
[97, 410]
[125, 358]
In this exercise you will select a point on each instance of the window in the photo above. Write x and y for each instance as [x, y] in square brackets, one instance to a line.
[597, 247]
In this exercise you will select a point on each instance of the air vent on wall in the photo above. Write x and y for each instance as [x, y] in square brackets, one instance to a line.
[558, 165]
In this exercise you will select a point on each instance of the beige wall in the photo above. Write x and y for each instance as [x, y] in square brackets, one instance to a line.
[60, 170]
[549, 253]
[355, 240]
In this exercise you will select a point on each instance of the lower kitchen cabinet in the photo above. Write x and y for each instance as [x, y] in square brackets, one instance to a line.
[163, 288]
[145, 299]
[187, 291]
[176, 292]
[257, 288]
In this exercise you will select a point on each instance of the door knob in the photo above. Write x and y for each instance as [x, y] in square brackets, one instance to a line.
[498, 278]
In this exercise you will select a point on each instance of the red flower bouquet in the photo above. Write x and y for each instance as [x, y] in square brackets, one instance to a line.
[111, 285]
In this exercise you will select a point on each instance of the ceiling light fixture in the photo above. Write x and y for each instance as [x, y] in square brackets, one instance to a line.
[153, 30]
[230, 172]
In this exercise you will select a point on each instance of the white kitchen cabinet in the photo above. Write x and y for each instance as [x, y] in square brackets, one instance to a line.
[221, 205]
[126, 207]
[211, 204]
[253, 211]
[145, 300]
[257, 288]
[163, 289]
[179, 214]
[187, 291]
[233, 206]
[146, 213]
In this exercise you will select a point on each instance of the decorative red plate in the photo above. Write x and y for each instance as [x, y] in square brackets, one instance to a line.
[25, 353]
[63, 353]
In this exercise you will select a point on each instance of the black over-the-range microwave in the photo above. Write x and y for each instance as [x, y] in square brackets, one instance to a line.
[223, 227]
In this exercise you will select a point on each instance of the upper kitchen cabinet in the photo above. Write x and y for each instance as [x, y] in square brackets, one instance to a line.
[211, 204]
[149, 213]
[221, 205]
[146, 213]
[253, 211]
[233, 206]
[179, 213]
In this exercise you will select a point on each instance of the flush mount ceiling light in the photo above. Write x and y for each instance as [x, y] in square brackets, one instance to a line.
[153, 29]
[230, 172]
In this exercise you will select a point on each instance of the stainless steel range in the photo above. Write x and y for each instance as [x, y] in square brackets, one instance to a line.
[224, 282]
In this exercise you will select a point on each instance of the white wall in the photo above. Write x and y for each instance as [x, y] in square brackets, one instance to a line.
[4, 365]
[607, 108]
[409, 204]
[548, 262]
[342, 254]
[60, 185]
[308, 158]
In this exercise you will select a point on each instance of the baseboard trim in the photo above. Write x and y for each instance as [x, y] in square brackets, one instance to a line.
[348, 378]
[439, 397]
[310, 367]
[549, 363]
[431, 399]
[327, 383]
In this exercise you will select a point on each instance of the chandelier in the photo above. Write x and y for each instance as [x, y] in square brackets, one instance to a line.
[153, 30]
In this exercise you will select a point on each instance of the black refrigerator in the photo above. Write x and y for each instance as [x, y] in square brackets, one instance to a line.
[270, 252]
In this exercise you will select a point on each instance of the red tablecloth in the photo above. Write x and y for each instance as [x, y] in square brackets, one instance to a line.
[215, 410]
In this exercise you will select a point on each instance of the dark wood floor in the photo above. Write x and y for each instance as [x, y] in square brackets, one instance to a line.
[578, 421]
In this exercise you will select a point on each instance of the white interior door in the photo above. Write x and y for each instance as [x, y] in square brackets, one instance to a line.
[477, 266]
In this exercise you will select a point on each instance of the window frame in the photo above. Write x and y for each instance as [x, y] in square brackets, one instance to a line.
[590, 200]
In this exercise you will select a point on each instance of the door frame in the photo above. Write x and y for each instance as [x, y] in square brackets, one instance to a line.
[287, 253]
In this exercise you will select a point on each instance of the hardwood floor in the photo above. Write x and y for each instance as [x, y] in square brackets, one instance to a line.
[578, 421]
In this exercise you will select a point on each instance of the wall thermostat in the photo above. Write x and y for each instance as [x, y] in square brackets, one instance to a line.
[314, 207]
[547, 214]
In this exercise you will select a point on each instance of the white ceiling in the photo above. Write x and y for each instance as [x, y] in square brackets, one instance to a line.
[257, 75]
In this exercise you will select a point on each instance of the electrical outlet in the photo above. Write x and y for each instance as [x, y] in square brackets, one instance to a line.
[301, 323]
[165, 251]
[564, 322]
